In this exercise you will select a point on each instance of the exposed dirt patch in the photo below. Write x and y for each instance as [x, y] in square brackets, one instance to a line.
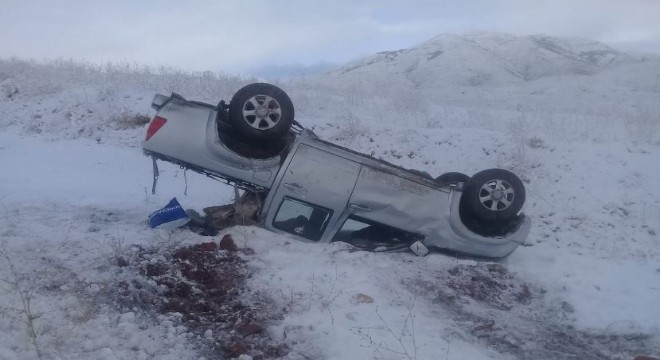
[206, 286]
[489, 284]
[494, 307]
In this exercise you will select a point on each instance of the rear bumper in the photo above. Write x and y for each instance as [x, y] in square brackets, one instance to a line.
[212, 174]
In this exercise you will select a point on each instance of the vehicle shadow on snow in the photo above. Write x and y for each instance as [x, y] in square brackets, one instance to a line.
[490, 304]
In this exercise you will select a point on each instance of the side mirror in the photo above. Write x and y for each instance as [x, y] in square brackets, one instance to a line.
[419, 249]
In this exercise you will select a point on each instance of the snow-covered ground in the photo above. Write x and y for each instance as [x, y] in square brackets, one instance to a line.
[75, 191]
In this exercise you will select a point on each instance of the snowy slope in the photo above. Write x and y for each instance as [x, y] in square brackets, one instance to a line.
[75, 190]
[567, 89]
[491, 59]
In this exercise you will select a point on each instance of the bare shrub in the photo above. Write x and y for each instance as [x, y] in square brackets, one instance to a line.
[113, 82]
[25, 310]
[404, 345]
[536, 142]
[8, 89]
[518, 133]
[323, 292]
[351, 127]
[125, 121]
[437, 118]
[643, 127]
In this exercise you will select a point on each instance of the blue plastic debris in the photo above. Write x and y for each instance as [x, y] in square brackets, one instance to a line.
[170, 217]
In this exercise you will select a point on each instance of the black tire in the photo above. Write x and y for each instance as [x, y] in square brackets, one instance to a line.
[452, 178]
[494, 194]
[261, 111]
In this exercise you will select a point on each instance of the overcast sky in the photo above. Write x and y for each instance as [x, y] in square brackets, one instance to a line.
[235, 36]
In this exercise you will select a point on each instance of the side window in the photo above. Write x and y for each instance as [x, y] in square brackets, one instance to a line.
[302, 218]
[369, 234]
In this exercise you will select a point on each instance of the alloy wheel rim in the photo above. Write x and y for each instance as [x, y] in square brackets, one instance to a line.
[262, 112]
[496, 195]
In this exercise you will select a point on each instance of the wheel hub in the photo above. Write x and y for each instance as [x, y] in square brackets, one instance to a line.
[262, 111]
[496, 195]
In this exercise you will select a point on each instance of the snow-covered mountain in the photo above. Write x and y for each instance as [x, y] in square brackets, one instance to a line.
[578, 121]
[490, 59]
[492, 80]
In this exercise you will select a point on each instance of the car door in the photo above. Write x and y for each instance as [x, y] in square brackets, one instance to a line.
[312, 193]
[400, 203]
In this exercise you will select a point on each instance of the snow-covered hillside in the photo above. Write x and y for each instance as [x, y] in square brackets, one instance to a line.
[578, 121]
[492, 59]
[567, 89]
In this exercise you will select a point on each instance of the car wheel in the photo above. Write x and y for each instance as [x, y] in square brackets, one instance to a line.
[452, 178]
[494, 194]
[261, 111]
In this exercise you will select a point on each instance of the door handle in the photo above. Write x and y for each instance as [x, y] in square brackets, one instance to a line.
[295, 188]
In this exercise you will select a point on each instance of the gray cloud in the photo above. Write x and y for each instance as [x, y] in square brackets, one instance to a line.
[235, 36]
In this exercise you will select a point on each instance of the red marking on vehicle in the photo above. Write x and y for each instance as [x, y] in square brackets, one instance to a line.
[154, 126]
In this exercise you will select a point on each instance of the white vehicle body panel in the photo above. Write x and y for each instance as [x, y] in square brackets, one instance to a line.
[340, 181]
